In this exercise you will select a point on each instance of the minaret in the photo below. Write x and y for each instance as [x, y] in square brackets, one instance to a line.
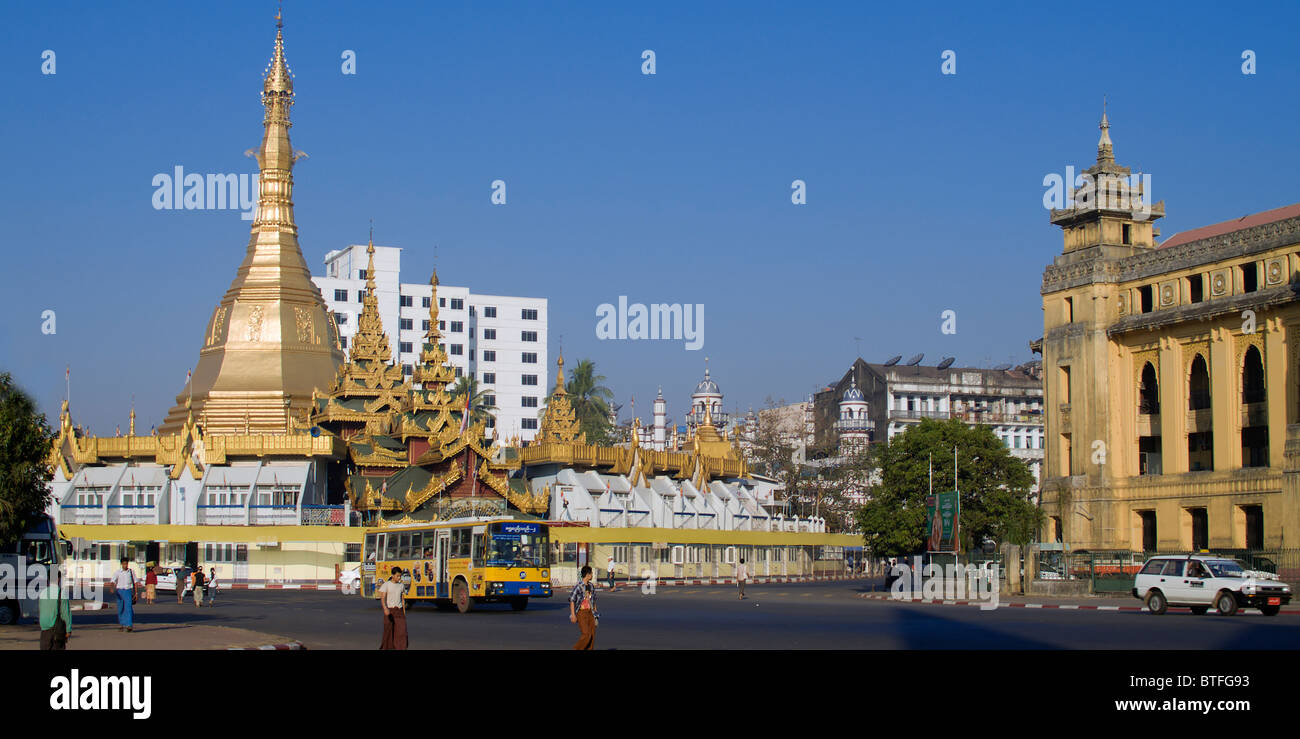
[855, 425]
[661, 421]
[271, 338]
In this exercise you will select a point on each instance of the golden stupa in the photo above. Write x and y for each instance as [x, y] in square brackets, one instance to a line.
[271, 341]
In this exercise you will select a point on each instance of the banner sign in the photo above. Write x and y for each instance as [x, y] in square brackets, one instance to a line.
[941, 522]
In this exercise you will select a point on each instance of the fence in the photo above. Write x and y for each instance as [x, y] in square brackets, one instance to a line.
[324, 515]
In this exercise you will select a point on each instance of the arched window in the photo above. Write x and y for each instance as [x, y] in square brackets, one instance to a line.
[1148, 391]
[1252, 378]
[1198, 396]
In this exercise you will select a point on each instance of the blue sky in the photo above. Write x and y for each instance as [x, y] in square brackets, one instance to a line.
[924, 190]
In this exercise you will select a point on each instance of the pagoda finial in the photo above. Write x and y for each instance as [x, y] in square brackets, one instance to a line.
[559, 375]
[1105, 149]
[370, 342]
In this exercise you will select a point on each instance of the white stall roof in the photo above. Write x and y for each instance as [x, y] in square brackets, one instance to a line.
[145, 475]
[284, 473]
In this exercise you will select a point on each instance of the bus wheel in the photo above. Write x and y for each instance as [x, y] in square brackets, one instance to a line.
[518, 604]
[460, 596]
[8, 613]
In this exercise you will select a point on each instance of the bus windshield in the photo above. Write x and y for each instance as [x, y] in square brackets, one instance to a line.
[518, 545]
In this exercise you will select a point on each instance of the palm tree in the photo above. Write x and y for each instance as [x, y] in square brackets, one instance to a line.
[590, 400]
[478, 406]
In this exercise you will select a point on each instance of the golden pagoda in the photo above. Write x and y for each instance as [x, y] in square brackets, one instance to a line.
[271, 341]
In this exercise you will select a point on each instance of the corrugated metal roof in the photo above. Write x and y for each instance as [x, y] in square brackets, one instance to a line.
[1237, 224]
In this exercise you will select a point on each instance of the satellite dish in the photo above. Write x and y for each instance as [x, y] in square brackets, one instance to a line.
[946, 363]
[1003, 367]
[915, 360]
[893, 360]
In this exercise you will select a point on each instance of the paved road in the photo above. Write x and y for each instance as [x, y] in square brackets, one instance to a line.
[793, 616]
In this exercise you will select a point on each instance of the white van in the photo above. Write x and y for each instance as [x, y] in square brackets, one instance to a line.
[1199, 581]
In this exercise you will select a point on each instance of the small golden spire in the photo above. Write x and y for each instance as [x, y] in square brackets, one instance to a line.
[131, 427]
[559, 375]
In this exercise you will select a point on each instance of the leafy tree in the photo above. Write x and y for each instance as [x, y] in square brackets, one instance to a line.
[25, 440]
[590, 400]
[479, 410]
[994, 487]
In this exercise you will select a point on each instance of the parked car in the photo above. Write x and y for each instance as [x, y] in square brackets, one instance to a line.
[1199, 581]
[167, 578]
[350, 579]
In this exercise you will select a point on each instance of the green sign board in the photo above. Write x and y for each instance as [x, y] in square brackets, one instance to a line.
[941, 522]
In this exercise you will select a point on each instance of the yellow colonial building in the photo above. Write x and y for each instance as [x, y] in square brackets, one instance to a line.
[1170, 375]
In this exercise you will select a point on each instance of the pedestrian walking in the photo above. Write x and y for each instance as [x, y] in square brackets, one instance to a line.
[742, 577]
[182, 584]
[197, 584]
[56, 616]
[392, 597]
[124, 589]
[582, 610]
[212, 586]
[150, 584]
[609, 567]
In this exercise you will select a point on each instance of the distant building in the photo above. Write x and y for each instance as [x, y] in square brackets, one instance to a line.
[897, 396]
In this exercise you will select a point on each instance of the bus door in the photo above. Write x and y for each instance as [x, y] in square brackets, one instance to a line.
[444, 549]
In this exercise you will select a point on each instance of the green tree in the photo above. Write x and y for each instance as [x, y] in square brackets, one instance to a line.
[479, 410]
[994, 486]
[25, 474]
[590, 400]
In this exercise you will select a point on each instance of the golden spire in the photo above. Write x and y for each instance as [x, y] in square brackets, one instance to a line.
[370, 342]
[1105, 150]
[433, 373]
[131, 427]
[559, 376]
[271, 337]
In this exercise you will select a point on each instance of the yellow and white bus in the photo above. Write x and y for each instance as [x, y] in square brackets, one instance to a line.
[462, 562]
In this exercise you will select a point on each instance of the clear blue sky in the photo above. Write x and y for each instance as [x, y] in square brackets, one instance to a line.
[924, 191]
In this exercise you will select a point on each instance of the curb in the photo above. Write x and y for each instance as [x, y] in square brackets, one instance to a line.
[290, 646]
[624, 584]
[1044, 606]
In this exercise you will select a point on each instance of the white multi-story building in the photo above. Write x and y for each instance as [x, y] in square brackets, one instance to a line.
[499, 340]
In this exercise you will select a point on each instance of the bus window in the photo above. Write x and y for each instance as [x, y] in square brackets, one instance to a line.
[404, 549]
[460, 543]
[417, 544]
[390, 547]
[370, 553]
[38, 551]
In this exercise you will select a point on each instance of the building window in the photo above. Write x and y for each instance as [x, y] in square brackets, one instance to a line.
[457, 349]
[490, 400]
[1148, 391]
[406, 301]
[341, 319]
[442, 302]
[406, 324]
[1254, 516]
[361, 274]
[1252, 378]
[530, 314]
[471, 355]
[489, 378]
[361, 296]
[1126, 235]
[341, 296]
[489, 334]
[424, 302]
[442, 325]
[408, 369]
[529, 380]
[1069, 310]
[1199, 520]
[343, 342]
[1148, 523]
[404, 347]
[1198, 397]
[459, 372]
[530, 401]
[458, 327]
[1144, 296]
[530, 358]
[489, 355]
[489, 311]
[528, 336]
[1195, 288]
[528, 423]
[1249, 277]
[458, 304]
[424, 325]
